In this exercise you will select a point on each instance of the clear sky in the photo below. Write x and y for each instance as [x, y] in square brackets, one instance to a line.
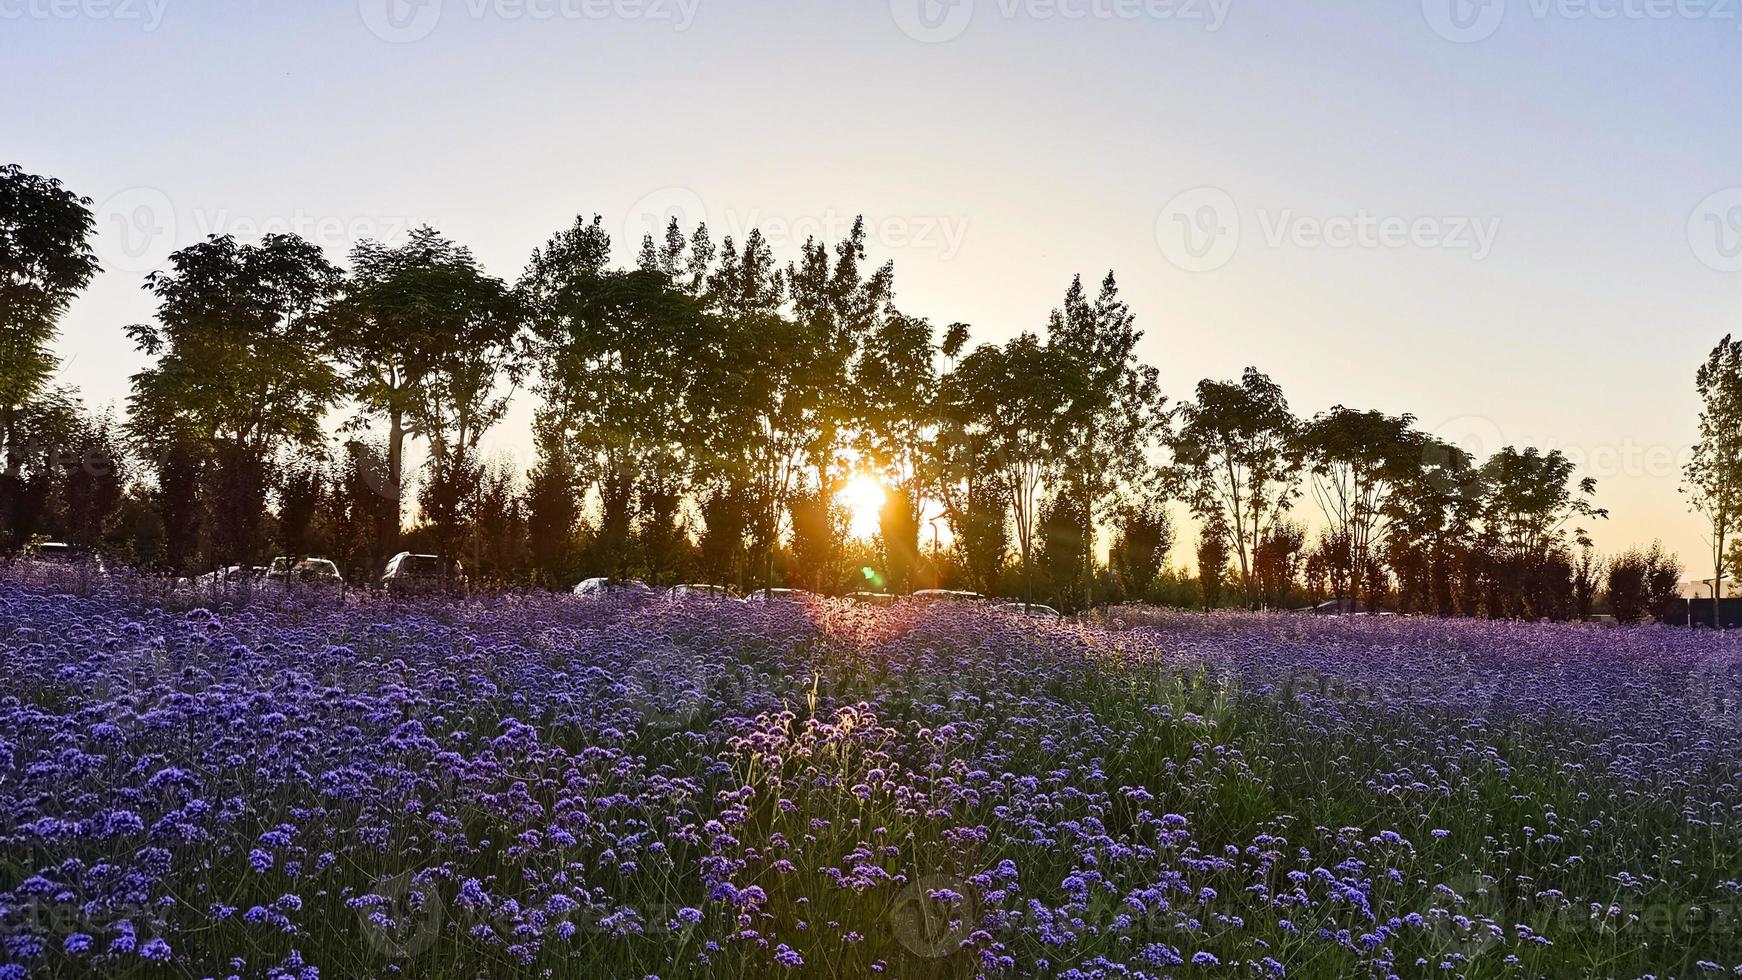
[1519, 220]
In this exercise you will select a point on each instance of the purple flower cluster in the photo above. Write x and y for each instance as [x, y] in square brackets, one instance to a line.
[524, 785]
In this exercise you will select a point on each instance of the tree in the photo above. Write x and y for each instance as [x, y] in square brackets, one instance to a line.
[1712, 479]
[1276, 563]
[818, 533]
[301, 492]
[448, 497]
[498, 527]
[1063, 551]
[754, 437]
[898, 536]
[1143, 537]
[1235, 459]
[1431, 512]
[177, 500]
[407, 309]
[240, 370]
[1531, 505]
[477, 346]
[895, 383]
[1008, 402]
[726, 515]
[616, 351]
[68, 479]
[1212, 561]
[662, 529]
[360, 513]
[45, 260]
[983, 537]
[1642, 583]
[1113, 409]
[1358, 460]
[553, 503]
[1587, 581]
[837, 309]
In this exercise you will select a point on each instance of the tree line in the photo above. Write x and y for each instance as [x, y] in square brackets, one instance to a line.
[699, 412]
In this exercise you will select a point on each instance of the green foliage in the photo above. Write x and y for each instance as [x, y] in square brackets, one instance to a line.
[1277, 563]
[408, 312]
[45, 260]
[1358, 462]
[1213, 554]
[1237, 462]
[1144, 536]
[1712, 478]
[1062, 553]
[1007, 403]
[553, 504]
[819, 532]
[238, 345]
[1113, 411]
[898, 541]
[1642, 583]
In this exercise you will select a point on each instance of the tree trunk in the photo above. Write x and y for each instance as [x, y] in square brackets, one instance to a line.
[395, 474]
[1088, 552]
[1718, 582]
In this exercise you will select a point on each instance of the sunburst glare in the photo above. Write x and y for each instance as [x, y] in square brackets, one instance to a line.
[863, 498]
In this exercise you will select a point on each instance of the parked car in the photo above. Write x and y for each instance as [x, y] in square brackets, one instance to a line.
[717, 593]
[1033, 610]
[48, 557]
[777, 595]
[619, 588]
[946, 595]
[53, 553]
[309, 572]
[872, 598]
[232, 575]
[409, 574]
[1339, 607]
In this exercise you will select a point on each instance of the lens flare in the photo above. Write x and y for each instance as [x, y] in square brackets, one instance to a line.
[863, 498]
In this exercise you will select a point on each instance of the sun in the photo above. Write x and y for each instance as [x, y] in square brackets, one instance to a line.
[863, 498]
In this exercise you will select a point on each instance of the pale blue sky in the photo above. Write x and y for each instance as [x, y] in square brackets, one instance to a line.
[994, 158]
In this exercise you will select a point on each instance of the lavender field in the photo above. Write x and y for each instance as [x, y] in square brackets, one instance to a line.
[548, 787]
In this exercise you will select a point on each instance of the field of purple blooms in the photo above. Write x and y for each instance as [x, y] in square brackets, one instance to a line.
[544, 786]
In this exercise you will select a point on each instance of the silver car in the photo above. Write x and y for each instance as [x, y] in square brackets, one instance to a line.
[1032, 610]
[409, 574]
[317, 573]
[616, 588]
[716, 593]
